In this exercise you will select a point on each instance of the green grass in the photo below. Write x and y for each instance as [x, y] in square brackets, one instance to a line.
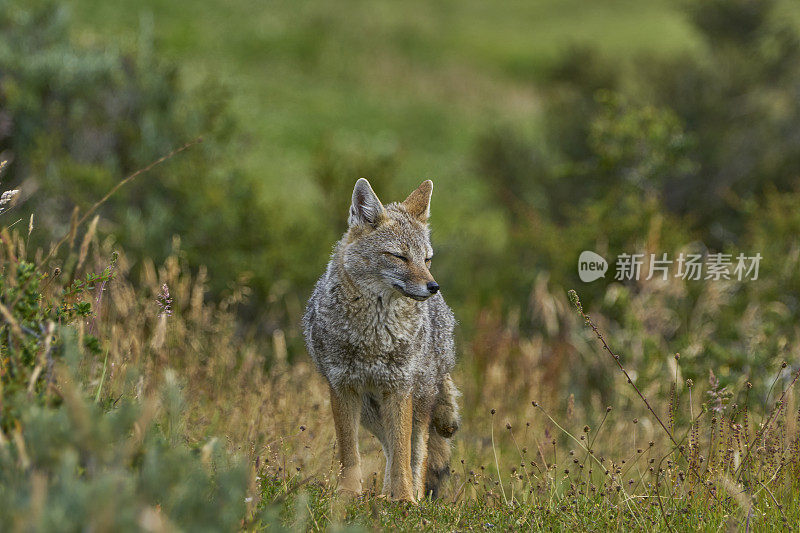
[427, 76]
[427, 79]
[316, 507]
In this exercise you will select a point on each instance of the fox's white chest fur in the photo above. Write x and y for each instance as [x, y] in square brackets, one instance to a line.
[383, 325]
[372, 341]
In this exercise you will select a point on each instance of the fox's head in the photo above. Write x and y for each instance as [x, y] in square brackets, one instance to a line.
[387, 247]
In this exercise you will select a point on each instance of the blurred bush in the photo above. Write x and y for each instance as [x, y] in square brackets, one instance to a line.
[656, 155]
[663, 154]
[97, 427]
[75, 466]
[707, 135]
[76, 118]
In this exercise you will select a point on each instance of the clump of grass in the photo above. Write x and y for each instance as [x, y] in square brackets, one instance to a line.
[671, 463]
[93, 434]
[644, 455]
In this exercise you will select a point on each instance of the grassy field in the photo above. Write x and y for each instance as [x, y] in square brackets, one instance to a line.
[554, 437]
[176, 366]
[424, 78]
[686, 460]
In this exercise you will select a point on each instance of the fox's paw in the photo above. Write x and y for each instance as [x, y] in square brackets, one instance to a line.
[350, 481]
[347, 493]
[445, 417]
[446, 426]
[434, 480]
[406, 497]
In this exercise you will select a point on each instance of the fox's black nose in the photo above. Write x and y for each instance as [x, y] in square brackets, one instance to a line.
[433, 287]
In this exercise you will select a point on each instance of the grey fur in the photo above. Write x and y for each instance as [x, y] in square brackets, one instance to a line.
[372, 327]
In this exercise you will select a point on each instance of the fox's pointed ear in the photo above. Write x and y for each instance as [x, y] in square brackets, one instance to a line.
[366, 208]
[418, 203]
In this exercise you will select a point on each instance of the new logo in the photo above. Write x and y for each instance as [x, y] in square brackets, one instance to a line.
[591, 266]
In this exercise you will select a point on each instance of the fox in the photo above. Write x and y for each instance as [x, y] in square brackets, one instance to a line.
[379, 331]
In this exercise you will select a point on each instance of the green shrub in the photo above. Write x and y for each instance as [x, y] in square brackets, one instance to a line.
[76, 466]
[695, 152]
[74, 457]
[76, 118]
[30, 346]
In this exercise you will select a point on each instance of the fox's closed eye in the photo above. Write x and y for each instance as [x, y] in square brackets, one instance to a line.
[398, 256]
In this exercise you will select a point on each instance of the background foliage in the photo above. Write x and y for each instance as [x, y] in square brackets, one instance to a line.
[548, 127]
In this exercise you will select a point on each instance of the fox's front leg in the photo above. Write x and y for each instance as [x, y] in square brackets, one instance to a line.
[396, 416]
[346, 406]
[419, 452]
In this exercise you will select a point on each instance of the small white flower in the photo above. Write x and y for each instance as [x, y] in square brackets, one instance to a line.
[6, 197]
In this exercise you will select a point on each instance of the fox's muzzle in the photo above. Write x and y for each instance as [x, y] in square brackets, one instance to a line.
[430, 289]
